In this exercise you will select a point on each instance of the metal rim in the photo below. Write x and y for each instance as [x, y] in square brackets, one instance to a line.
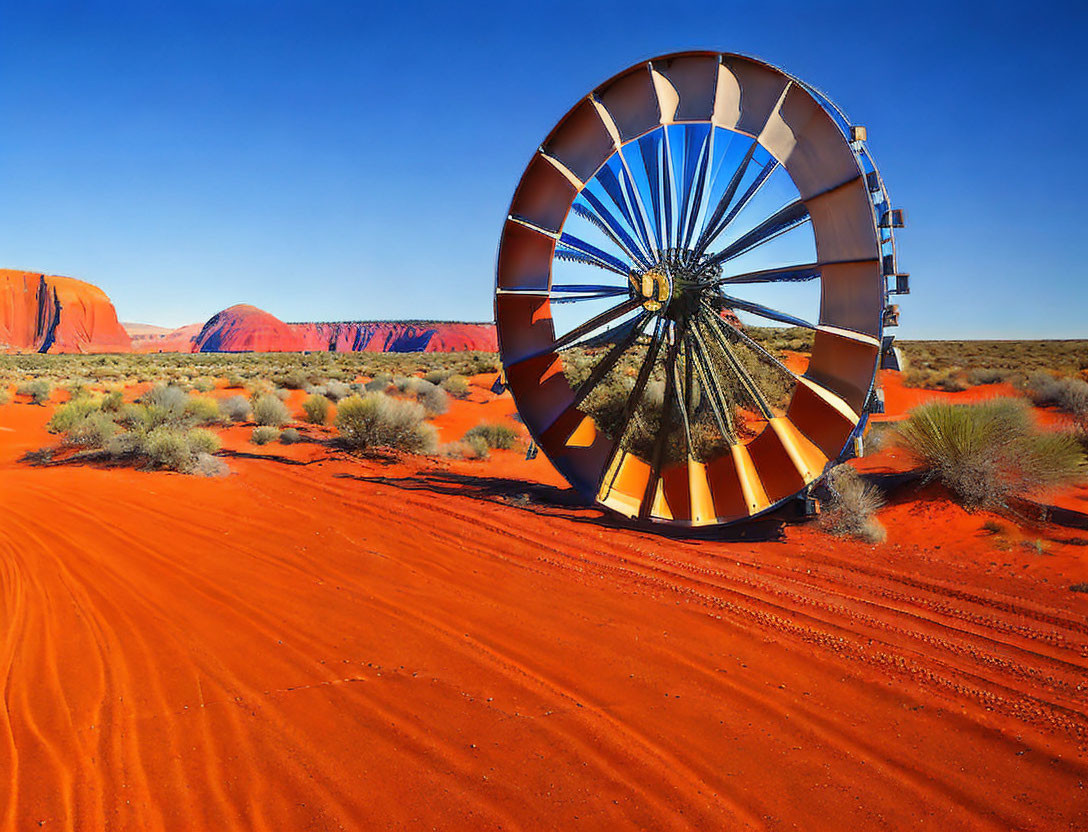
[655, 181]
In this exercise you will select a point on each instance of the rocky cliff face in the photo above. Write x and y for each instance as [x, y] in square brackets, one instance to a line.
[245, 328]
[46, 313]
[146, 338]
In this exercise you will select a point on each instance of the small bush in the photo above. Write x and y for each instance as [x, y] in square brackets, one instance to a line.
[456, 386]
[435, 401]
[379, 384]
[167, 448]
[39, 390]
[5, 397]
[264, 434]
[477, 447]
[94, 431]
[316, 409]
[234, 382]
[986, 375]
[202, 410]
[496, 435]
[987, 452]
[379, 421]
[170, 399]
[69, 414]
[112, 401]
[203, 385]
[202, 441]
[294, 380]
[235, 408]
[437, 376]
[337, 390]
[270, 411]
[1067, 394]
[206, 465]
[850, 504]
[290, 436]
[126, 444]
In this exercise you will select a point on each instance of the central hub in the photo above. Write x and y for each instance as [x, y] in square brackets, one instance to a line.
[653, 286]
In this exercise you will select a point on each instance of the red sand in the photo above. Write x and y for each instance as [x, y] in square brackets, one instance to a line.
[321, 642]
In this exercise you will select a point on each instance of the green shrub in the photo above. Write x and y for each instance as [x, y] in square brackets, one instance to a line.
[849, 504]
[126, 444]
[39, 390]
[235, 408]
[290, 436]
[203, 385]
[316, 409]
[202, 441]
[112, 401]
[379, 421]
[202, 410]
[69, 414]
[337, 390]
[206, 465]
[456, 386]
[435, 401]
[170, 399]
[264, 434]
[234, 382]
[987, 452]
[93, 431]
[167, 448]
[496, 435]
[1067, 394]
[270, 411]
[294, 380]
[379, 384]
[437, 376]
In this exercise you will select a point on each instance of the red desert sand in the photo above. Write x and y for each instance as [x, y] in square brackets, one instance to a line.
[322, 642]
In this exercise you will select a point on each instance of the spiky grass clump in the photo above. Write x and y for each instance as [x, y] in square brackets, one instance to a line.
[849, 506]
[235, 408]
[380, 421]
[988, 452]
[316, 408]
[265, 434]
[268, 410]
[38, 390]
[494, 435]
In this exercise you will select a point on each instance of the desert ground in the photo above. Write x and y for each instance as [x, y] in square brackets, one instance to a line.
[325, 640]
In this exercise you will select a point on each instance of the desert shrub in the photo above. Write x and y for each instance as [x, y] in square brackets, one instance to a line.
[337, 390]
[379, 421]
[234, 382]
[435, 401]
[77, 390]
[379, 384]
[496, 435]
[849, 505]
[39, 390]
[235, 408]
[437, 376]
[69, 414]
[987, 452]
[135, 416]
[264, 434]
[290, 436]
[126, 444]
[202, 441]
[268, 410]
[456, 386]
[316, 409]
[477, 447]
[112, 401]
[167, 397]
[4, 395]
[202, 410]
[203, 385]
[167, 448]
[93, 431]
[1067, 394]
[206, 465]
[986, 375]
[294, 380]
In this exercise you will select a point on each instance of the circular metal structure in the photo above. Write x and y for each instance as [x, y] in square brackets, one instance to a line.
[678, 231]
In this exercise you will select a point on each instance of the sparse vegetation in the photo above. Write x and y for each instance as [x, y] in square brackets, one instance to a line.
[290, 436]
[849, 505]
[235, 408]
[38, 390]
[316, 409]
[988, 452]
[377, 420]
[264, 434]
[494, 435]
[269, 411]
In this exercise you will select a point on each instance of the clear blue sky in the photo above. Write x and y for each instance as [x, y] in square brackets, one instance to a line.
[331, 161]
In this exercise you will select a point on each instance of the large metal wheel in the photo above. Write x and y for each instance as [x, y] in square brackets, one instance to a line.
[679, 229]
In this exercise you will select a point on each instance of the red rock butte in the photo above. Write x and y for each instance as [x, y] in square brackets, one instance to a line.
[47, 313]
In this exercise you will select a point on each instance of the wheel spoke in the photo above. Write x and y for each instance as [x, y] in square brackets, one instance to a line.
[751, 343]
[737, 367]
[594, 323]
[763, 311]
[780, 222]
[663, 430]
[608, 225]
[747, 196]
[788, 274]
[709, 231]
[718, 405]
[610, 359]
[696, 173]
[572, 242]
[572, 256]
[617, 192]
[637, 208]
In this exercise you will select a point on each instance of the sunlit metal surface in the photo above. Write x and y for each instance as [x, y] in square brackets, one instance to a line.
[681, 197]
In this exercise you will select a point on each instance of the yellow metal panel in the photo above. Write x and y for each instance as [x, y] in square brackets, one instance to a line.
[754, 495]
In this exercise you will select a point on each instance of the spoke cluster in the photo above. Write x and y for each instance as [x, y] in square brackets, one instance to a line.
[665, 228]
